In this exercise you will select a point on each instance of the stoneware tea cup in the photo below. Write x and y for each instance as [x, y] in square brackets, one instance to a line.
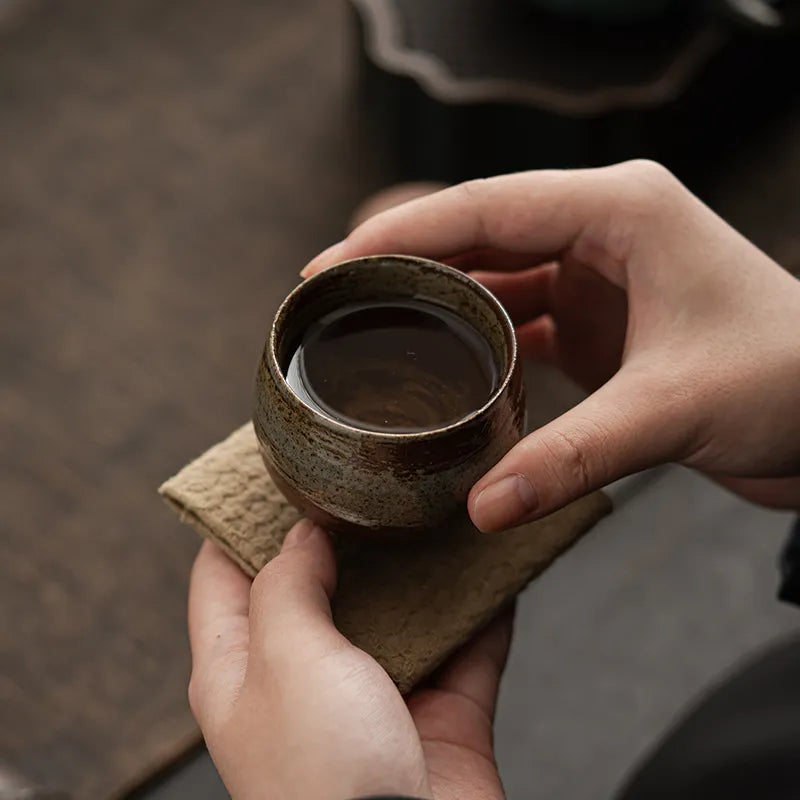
[350, 479]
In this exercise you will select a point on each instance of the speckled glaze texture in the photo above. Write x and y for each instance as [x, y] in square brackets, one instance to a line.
[379, 482]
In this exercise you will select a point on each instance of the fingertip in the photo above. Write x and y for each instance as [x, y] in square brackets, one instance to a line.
[327, 258]
[537, 340]
[307, 534]
[208, 551]
[495, 638]
[472, 501]
[211, 552]
[501, 503]
[298, 533]
[480, 275]
[311, 549]
[212, 564]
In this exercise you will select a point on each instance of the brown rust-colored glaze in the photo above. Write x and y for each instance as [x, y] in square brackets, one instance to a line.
[349, 479]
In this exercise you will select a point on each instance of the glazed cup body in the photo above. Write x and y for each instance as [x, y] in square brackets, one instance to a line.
[353, 480]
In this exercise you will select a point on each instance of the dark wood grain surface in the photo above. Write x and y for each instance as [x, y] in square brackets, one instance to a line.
[165, 170]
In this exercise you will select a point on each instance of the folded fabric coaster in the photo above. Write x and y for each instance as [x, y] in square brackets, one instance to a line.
[408, 604]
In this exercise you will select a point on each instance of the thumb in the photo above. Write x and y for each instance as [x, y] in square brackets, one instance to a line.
[290, 598]
[628, 424]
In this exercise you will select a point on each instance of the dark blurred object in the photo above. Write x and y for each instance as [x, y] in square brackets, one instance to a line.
[765, 15]
[770, 16]
[789, 590]
[740, 742]
[464, 88]
[14, 786]
[606, 11]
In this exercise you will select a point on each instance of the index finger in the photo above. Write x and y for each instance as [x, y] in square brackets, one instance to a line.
[219, 603]
[540, 213]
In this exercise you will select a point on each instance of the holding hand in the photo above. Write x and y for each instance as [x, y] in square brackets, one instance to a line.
[687, 334]
[290, 709]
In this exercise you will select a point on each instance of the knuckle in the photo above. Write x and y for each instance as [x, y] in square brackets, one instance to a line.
[647, 185]
[474, 192]
[473, 189]
[647, 169]
[636, 195]
[575, 458]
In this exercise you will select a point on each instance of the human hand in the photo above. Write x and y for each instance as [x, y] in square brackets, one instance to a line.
[687, 334]
[290, 709]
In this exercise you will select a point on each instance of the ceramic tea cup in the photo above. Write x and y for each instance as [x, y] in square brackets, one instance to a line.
[350, 479]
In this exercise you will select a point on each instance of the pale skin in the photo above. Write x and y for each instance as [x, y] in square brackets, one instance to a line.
[290, 709]
[687, 338]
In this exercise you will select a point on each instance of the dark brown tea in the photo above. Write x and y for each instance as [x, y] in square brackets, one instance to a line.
[398, 366]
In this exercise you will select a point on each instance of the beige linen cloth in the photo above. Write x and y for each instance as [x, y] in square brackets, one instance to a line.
[408, 604]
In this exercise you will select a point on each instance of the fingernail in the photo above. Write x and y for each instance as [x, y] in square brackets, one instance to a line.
[504, 503]
[324, 256]
[302, 531]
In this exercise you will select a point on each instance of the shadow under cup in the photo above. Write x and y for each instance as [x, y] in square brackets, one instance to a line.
[351, 479]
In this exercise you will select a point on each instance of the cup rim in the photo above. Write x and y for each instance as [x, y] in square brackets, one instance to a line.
[390, 436]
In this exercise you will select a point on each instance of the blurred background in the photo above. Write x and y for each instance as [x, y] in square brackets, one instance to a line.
[166, 168]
